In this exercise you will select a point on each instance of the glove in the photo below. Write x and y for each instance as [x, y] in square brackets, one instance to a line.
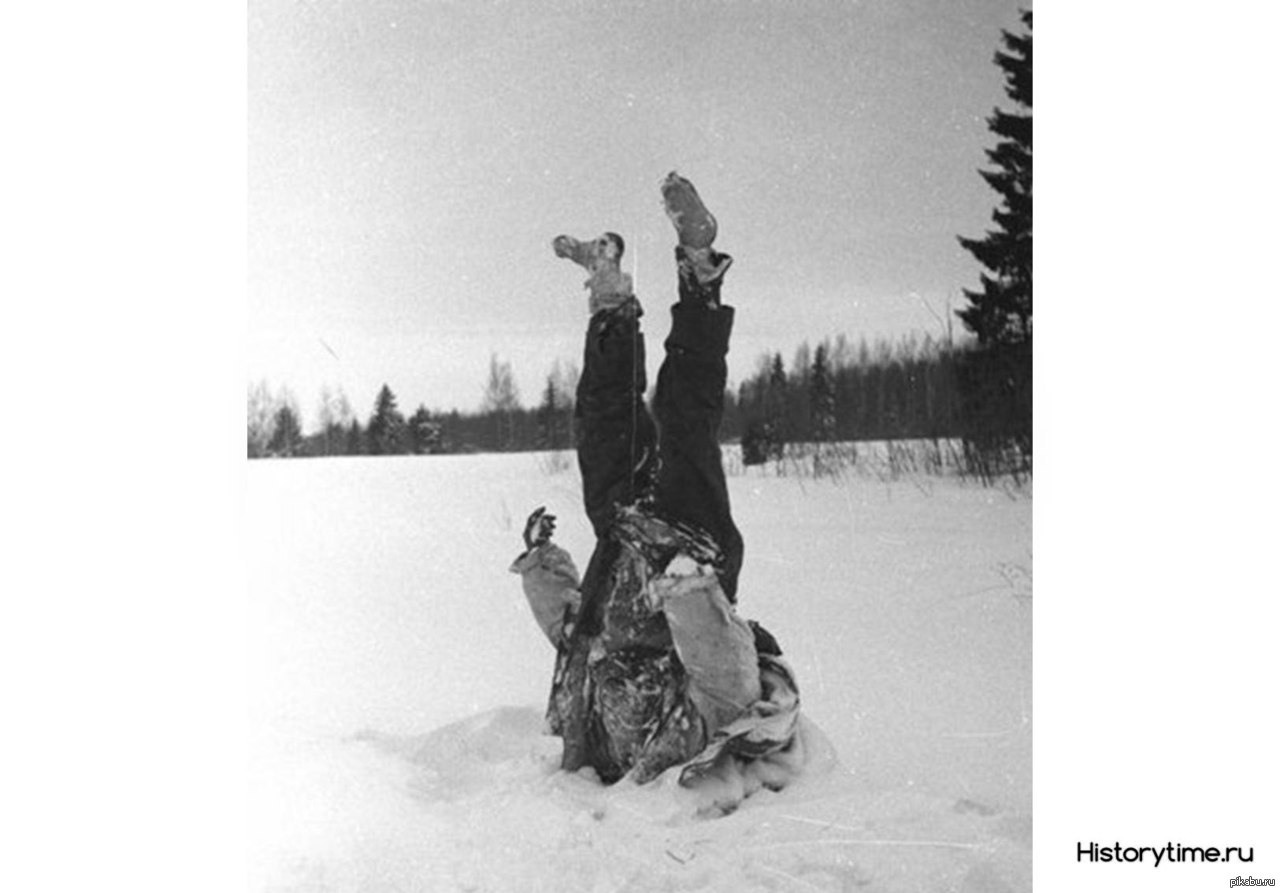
[539, 528]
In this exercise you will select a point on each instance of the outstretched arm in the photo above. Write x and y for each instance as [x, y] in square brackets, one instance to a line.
[716, 646]
[616, 436]
[549, 577]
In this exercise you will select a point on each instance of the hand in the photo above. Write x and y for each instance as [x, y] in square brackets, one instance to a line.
[539, 528]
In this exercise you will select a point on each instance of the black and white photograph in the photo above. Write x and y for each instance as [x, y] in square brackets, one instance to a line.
[639, 425]
[637, 486]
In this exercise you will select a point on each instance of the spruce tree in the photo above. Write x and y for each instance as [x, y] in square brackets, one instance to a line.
[776, 408]
[994, 380]
[385, 432]
[355, 439]
[822, 411]
[286, 436]
[822, 398]
[548, 416]
[1000, 313]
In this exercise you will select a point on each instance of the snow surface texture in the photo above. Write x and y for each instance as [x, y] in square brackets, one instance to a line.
[399, 681]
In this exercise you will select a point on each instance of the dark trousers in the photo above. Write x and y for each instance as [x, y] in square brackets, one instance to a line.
[673, 455]
[673, 459]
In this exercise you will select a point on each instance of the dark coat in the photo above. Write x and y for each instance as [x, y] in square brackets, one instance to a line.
[620, 697]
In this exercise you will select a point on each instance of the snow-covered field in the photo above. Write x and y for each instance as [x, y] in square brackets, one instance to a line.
[398, 682]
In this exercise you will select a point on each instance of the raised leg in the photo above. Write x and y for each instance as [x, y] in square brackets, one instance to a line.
[616, 435]
[689, 405]
[689, 399]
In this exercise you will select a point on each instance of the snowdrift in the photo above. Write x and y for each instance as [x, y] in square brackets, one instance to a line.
[480, 805]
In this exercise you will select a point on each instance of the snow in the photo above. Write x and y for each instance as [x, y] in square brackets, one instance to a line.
[398, 682]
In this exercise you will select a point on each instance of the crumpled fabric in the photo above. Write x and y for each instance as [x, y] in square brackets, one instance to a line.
[767, 727]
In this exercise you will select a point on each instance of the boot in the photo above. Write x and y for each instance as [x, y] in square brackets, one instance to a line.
[609, 287]
[701, 267]
[701, 273]
[695, 225]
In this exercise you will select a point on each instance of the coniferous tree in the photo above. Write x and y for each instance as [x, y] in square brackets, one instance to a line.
[822, 397]
[763, 401]
[822, 410]
[750, 406]
[385, 432]
[1000, 312]
[776, 406]
[548, 417]
[798, 421]
[286, 436]
[553, 419]
[994, 380]
[355, 439]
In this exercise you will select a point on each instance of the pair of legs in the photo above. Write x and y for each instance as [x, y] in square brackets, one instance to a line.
[670, 460]
[654, 487]
[670, 463]
[672, 457]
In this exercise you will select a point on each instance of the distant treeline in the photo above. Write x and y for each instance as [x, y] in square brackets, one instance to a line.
[502, 424]
[912, 389]
[836, 392]
[909, 389]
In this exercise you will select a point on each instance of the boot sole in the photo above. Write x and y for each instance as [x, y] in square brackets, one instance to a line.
[695, 225]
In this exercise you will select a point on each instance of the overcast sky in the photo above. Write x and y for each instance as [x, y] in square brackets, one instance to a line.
[409, 163]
